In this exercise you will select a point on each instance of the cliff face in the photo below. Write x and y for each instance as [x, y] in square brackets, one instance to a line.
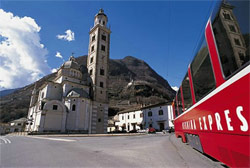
[132, 82]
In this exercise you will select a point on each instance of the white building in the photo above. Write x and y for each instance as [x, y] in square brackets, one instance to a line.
[158, 116]
[129, 120]
[17, 125]
[76, 100]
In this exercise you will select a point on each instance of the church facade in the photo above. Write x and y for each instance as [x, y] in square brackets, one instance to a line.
[76, 100]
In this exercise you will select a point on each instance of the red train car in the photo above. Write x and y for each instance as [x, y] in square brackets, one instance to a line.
[211, 108]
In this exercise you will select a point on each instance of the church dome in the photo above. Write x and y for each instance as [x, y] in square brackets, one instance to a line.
[71, 63]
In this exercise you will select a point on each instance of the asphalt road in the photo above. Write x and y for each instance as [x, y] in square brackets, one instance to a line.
[120, 151]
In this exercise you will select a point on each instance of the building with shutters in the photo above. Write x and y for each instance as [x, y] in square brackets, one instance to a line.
[158, 116]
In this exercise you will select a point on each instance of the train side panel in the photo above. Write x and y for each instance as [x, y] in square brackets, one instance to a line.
[221, 120]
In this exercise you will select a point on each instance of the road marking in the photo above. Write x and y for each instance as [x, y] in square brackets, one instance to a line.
[53, 139]
[5, 140]
[8, 140]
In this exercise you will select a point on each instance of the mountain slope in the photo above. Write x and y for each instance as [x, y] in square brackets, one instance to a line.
[132, 82]
[7, 91]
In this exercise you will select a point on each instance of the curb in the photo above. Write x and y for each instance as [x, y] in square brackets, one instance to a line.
[90, 135]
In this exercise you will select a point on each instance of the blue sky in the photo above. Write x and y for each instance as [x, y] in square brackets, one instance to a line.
[162, 33]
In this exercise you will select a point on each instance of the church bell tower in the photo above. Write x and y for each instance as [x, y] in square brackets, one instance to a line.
[97, 64]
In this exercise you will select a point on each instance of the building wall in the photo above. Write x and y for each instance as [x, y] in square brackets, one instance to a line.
[78, 119]
[110, 128]
[170, 116]
[30, 118]
[139, 119]
[68, 78]
[53, 119]
[99, 117]
[52, 91]
[155, 120]
[67, 86]
[37, 119]
[130, 120]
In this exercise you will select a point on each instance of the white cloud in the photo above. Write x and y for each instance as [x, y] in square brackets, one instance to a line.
[54, 70]
[175, 88]
[69, 36]
[58, 54]
[23, 57]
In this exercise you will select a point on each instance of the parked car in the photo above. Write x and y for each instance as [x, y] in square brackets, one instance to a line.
[151, 130]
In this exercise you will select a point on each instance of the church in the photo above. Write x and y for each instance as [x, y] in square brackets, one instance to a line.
[76, 100]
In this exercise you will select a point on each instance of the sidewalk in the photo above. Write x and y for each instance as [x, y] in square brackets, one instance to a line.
[89, 135]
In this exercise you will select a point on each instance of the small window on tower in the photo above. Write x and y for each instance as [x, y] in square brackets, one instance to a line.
[103, 22]
[101, 84]
[227, 16]
[242, 56]
[91, 72]
[103, 48]
[103, 37]
[101, 71]
[92, 48]
[91, 59]
[237, 42]
[99, 120]
[93, 38]
[232, 28]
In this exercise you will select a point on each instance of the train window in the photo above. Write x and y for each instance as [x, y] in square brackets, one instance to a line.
[202, 73]
[180, 109]
[233, 39]
[186, 92]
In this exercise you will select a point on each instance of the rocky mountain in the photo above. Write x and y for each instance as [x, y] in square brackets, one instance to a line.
[132, 83]
[7, 91]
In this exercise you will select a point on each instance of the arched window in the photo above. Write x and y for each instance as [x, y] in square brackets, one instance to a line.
[73, 107]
